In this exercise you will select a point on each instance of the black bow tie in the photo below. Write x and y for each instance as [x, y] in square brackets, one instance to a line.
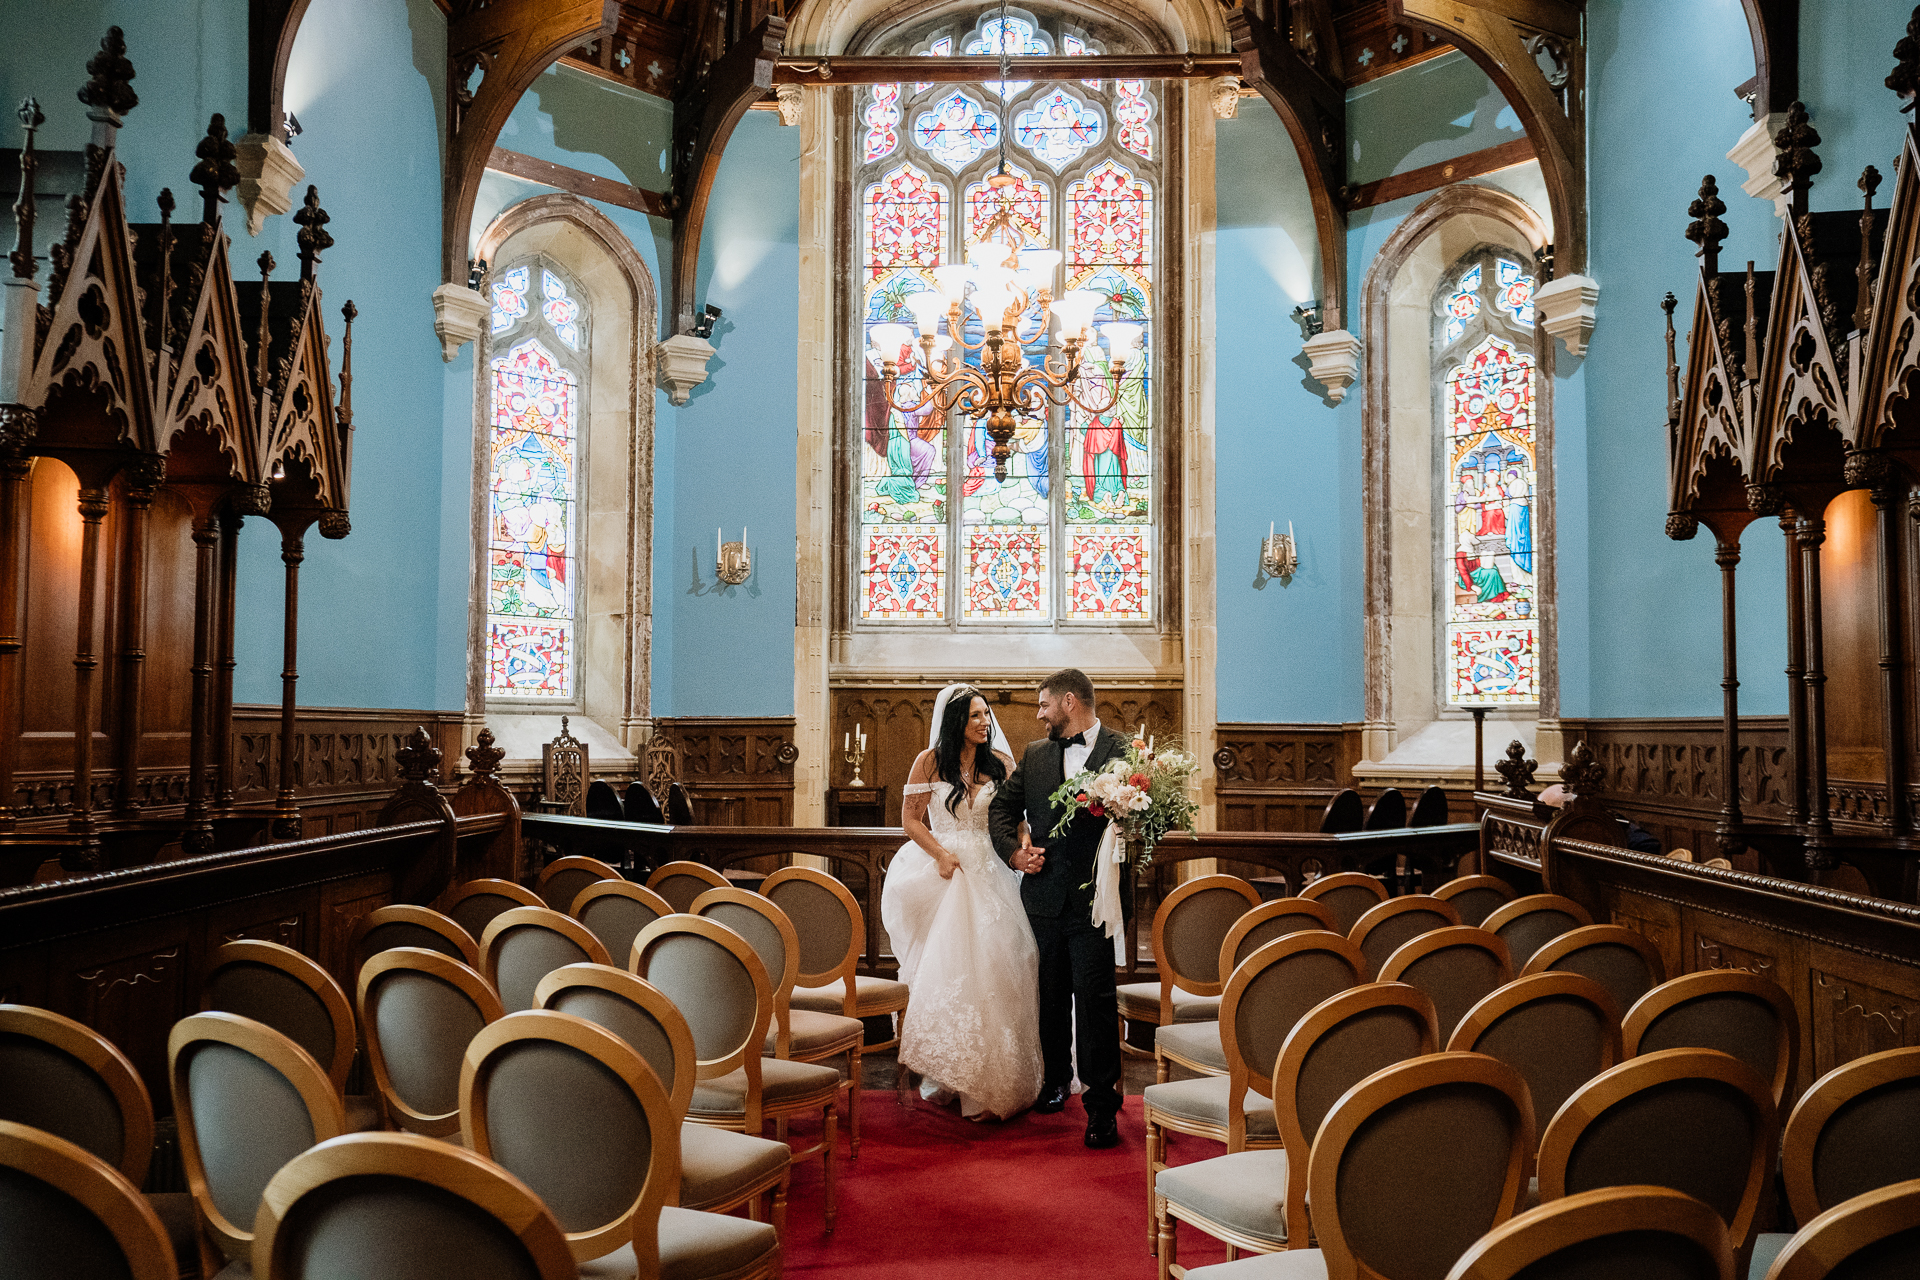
[1077, 740]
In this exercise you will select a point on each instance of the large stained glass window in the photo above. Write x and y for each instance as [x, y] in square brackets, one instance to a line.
[536, 392]
[1490, 651]
[1069, 536]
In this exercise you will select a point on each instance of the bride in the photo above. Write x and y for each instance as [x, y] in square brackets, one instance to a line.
[952, 909]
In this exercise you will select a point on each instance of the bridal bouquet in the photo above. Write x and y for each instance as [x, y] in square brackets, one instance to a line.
[1144, 792]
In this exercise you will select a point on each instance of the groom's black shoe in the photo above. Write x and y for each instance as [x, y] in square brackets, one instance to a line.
[1102, 1131]
[1053, 1098]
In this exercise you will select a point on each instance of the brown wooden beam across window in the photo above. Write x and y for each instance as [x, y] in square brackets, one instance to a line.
[893, 70]
[1475, 164]
[579, 182]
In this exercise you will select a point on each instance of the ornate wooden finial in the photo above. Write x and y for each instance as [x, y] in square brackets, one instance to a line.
[1796, 164]
[1706, 229]
[1682, 525]
[314, 240]
[31, 119]
[1667, 304]
[266, 264]
[483, 757]
[1582, 775]
[215, 173]
[419, 759]
[1517, 770]
[345, 410]
[1905, 77]
[109, 86]
[1766, 499]
[1863, 273]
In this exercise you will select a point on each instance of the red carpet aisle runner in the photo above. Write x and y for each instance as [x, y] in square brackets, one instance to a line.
[935, 1197]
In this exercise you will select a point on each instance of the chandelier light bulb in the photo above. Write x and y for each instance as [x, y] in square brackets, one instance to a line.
[927, 308]
[1123, 340]
[889, 338]
[1039, 263]
[1075, 309]
[952, 281]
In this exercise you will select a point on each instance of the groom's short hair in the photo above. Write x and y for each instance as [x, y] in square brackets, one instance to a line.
[1073, 681]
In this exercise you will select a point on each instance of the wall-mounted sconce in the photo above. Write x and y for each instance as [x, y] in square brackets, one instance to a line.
[703, 323]
[733, 563]
[476, 273]
[1307, 316]
[293, 128]
[1279, 557]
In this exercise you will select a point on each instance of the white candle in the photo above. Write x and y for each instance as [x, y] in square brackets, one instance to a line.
[1270, 529]
[717, 545]
[846, 742]
[1289, 531]
[743, 534]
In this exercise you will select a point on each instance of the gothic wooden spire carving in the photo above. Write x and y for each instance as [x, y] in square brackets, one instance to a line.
[313, 238]
[1904, 79]
[22, 259]
[215, 174]
[1797, 162]
[1863, 274]
[1706, 229]
[110, 74]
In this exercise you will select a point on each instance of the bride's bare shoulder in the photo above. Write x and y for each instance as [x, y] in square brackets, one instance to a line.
[923, 767]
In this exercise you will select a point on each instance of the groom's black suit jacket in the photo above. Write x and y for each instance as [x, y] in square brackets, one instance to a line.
[1057, 886]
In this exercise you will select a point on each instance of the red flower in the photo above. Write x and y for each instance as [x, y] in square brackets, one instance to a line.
[1141, 781]
[1081, 798]
[1097, 811]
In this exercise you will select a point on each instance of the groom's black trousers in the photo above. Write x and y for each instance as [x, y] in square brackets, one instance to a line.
[1076, 986]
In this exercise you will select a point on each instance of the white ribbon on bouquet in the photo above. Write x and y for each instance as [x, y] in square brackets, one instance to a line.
[1107, 909]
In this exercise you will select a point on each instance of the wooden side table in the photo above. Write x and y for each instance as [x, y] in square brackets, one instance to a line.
[857, 806]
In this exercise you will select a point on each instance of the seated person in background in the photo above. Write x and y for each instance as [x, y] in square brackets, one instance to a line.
[1638, 838]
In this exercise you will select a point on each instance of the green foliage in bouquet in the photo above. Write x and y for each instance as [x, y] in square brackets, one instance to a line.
[1144, 791]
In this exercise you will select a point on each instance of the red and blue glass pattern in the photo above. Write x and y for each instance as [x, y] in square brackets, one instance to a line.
[1463, 304]
[906, 221]
[561, 311]
[1109, 223]
[882, 117]
[529, 659]
[941, 48]
[902, 572]
[1006, 572]
[1076, 47]
[1058, 128]
[1013, 36]
[532, 490]
[1133, 108]
[1513, 291]
[957, 130]
[1030, 201]
[1108, 575]
[509, 298]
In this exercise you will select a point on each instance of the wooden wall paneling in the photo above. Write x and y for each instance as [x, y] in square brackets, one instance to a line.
[1274, 777]
[345, 762]
[1666, 775]
[131, 986]
[1849, 578]
[737, 771]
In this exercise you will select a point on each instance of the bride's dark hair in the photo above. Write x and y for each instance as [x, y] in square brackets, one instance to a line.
[953, 739]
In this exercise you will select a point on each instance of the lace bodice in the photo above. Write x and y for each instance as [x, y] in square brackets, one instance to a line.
[969, 820]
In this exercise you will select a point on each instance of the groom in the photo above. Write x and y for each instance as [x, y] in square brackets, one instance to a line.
[1076, 956]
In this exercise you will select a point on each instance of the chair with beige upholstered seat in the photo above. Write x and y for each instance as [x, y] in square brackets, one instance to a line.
[283, 989]
[526, 944]
[474, 904]
[615, 911]
[715, 978]
[1643, 1232]
[719, 1169]
[1257, 1200]
[832, 930]
[1385, 928]
[1558, 1030]
[1620, 960]
[1458, 966]
[1188, 928]
[1410, 1168]
[570, 1109]
[248, 1099]
[395, 1206]
[681, 882]
[561, 880]
[1475, 897]
[1731, 1010]
[1349, 895]
[1270, 992]
[799, 1035]
[1529, 923]
[420, 1010]
[66, 1214]
[405, 925]
[1874, 1236]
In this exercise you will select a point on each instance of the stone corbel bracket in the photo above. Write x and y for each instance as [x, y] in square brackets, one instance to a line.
[459, 317]
[268, 175]
[1334, 361]
[680, 365]
[1565, 308]
[1755, 153]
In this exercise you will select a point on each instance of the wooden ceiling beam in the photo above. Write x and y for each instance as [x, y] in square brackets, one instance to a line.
[1775, 28]
[271, 26]
[893, 70]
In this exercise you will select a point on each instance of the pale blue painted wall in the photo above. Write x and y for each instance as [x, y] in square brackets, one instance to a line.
[1431, 112]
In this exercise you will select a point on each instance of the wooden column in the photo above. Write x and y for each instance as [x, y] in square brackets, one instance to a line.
[230, 523]
[14, 470]
[143, 478]
[286, 808]
[93, 506]
[1889, 504]
[1796, 688]
[198, 837]
[1811, 531]
[1726, 554]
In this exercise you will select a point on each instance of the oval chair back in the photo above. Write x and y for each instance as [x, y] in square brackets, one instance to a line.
[561, 880]
[1620, 960]
[603, 802]
[395, 1206]
[615, 911]
[679, 806]
[1387, 813]
[405, 925]
[1458, 967]
[474, 904]
[1418, 1161]
[1271, 920]
[1188, 928]
[1267, 995]
[1835, 1143]
[1431, 810]
[1529, 923]
[569, 1109]
[770, 934]
[1349, 895]
[67, 1079]
[1617, 1231]
[1620, 1129]
[247, 1099]
[715, 978]
[282, 989]
[1385, 928]
[640, 806]
[827, 919]
[681, 882]
[420, 1010]
[66, 1214]
[636, 1011]
[1475, 897]
[1731, 1010]
[1875, 1236]
[1345, 812]
[526, 944]
[1558, 1030]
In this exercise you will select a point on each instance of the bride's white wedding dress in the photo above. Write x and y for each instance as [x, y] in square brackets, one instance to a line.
[966, 950]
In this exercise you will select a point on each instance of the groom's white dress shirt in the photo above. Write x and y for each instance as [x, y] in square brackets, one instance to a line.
[1075, 758]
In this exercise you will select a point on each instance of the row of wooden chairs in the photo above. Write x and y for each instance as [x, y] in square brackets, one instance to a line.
[1347, 811]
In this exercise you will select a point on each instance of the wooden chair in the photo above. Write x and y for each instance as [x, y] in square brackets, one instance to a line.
[1345, 812]
[420, 1010]
[1431, 810]
[1695, 1120]
[1257, 1200]
[603, 803]
[526, 944]
[1187, 931]
[282, 989]
[1458, 967]
[681, 882]
[640, 806]
[474, 904]
[1196, 1045]
[679, 806]
[1387, 813]
[1270, 992]
[1387, 927]
[1558, 1030]
[247, 1099]
[1875, 1236]
[1620, 960]
[714, 976]
[1615, 1231]
[1475, 897]
[570, 1109]
[1529, 923]
[1731, 1010]
[66, 1214]
[1410, 1168]
[615, 911]
[799, 1035]
[561, 880]
[719, 1169]
[1349, 895]
[563, 773]
[832, 931]
[396, 1206]
[405, 925]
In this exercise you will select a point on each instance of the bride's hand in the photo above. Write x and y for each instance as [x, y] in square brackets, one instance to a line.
[947, 863]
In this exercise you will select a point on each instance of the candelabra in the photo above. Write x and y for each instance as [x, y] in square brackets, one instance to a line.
[855, 747]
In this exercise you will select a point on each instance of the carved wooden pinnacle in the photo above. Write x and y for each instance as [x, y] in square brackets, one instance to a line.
[1517, 770]
[419, 759]
[109, 76]
[216, 172]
